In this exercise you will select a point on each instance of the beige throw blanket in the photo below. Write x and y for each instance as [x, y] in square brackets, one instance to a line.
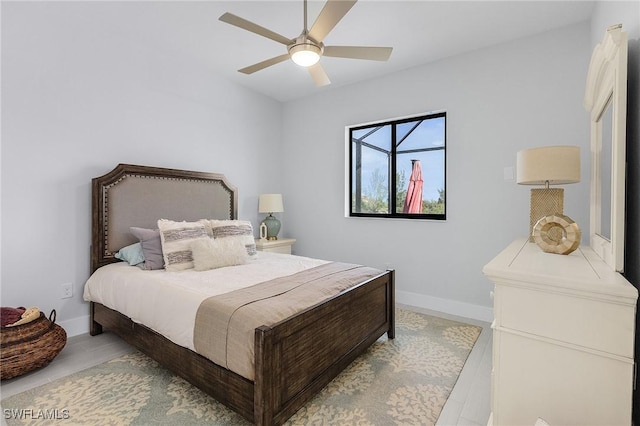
[225, 324]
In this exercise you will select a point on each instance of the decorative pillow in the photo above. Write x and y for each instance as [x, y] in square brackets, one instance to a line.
[210, 254]
[131, 254]
[151, 247]
[241, 230]
[176, 240]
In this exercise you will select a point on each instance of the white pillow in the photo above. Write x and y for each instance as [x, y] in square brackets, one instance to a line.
[241, 230]
[176, 238]
[210, 254]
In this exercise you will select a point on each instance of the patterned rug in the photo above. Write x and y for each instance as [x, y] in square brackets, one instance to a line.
[402, 381]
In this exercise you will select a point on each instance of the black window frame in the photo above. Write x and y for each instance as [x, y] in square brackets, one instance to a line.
[393, 190]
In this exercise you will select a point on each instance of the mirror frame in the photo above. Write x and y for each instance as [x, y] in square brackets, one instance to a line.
[607, 86]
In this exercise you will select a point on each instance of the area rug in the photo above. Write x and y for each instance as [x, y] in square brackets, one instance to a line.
[405, 381]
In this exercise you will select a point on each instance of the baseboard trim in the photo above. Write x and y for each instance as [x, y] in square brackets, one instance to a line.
[75, 326]
[447, 306]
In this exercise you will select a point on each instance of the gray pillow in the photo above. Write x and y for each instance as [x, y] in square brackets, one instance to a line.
[151, 247]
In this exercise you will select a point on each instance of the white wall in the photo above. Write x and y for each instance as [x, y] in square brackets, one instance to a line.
[607, 13]
[77, 100]
[498, 100]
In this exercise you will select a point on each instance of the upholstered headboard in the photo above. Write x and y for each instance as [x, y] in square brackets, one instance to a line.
[131, 195]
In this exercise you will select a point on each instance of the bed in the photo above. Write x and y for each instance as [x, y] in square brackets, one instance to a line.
[293, 359]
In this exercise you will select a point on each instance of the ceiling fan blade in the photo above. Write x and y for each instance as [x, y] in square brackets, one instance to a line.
[264, 64]
[358, 52]
[332, 12]
[318, 75]
[232, 19]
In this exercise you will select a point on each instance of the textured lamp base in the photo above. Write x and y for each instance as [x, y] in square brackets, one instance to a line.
[273, 227]
[545, 202]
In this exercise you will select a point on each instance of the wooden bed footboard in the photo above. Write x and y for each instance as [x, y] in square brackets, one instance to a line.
[297, 357]
[294, 359]
[230, 389]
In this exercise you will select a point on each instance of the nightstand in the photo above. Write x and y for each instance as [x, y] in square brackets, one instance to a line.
[281, 245]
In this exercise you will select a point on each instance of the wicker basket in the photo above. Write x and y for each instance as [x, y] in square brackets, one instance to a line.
[29, 346]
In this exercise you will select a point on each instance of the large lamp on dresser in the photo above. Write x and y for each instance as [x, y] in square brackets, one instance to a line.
[547, 165]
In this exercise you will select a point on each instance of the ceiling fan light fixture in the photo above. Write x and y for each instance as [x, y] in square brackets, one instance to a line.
[307, 49]
[305, 54]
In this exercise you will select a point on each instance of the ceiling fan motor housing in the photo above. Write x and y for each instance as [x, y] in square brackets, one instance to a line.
[304, 51]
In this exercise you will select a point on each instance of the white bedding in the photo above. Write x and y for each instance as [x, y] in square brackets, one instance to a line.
[167, 302]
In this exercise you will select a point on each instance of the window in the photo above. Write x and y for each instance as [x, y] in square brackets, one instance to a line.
[397, 168]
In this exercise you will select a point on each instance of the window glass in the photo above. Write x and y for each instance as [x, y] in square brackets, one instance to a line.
[398, 168]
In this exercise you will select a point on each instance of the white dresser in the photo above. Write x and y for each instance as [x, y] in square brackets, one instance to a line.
[563, 338]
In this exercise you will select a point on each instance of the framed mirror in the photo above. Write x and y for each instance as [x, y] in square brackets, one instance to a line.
[606, 100]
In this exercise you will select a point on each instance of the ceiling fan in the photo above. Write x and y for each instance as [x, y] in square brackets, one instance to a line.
[306, 49]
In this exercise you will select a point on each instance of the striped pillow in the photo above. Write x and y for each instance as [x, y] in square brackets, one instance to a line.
[239, 229]
[176, 238]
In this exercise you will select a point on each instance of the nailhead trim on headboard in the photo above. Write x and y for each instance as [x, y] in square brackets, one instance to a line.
[102, 188]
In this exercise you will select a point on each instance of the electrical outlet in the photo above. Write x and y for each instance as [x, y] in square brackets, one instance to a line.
[67, 291]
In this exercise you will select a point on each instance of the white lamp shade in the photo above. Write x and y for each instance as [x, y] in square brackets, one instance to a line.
[270, 203]
[557, 165]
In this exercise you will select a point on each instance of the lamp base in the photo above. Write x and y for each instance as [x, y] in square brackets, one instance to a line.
[545, 202]
[273, 227]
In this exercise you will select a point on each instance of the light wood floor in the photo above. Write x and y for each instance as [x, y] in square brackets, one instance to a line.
[467, 405]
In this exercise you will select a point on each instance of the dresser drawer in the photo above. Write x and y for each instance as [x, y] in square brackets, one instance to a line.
[564, 386]
[589, 322]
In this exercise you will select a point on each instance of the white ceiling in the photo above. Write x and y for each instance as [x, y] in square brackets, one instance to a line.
[419, 32]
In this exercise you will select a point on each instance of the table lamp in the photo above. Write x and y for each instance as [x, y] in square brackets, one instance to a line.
[548, 165]
[271, 203]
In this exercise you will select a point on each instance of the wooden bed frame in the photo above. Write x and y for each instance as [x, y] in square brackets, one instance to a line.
[294, 359]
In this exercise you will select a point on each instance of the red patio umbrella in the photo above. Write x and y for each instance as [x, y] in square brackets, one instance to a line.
[413, 202]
